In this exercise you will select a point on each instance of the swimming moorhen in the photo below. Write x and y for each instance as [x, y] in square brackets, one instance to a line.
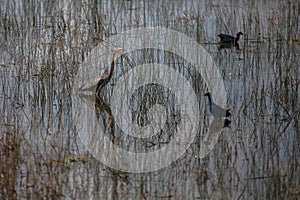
[230, 39]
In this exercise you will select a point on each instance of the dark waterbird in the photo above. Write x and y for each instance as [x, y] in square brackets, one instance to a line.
[216, 110]
[230, 39]
[220, 115]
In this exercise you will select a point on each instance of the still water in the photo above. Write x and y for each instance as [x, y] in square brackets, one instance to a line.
[46, 49]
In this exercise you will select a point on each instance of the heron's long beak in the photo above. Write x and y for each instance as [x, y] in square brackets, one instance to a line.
[115, 50]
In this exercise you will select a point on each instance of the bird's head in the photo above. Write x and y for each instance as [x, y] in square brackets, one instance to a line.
[206, 93]
[118, 49]
[239, 33]
[114, 52]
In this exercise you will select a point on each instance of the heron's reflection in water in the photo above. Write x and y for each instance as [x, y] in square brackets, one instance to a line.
[103, 113]
[103, 116]
[141, 102]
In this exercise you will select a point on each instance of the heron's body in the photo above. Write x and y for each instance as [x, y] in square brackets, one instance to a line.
[91, 85]
[103, 81]
[97, 84]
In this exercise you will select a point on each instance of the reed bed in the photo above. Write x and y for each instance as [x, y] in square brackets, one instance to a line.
[43, 44]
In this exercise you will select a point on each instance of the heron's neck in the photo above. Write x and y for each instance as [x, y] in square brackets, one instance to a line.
[237, 37]
[111, 69]
[112, 65]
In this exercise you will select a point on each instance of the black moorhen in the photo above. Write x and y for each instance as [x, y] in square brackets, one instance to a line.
[230, 39]
[220, 114]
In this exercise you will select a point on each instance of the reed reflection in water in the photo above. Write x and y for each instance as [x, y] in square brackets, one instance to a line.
[44, 43]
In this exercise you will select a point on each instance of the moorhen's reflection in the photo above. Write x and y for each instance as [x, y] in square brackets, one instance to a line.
[229, 45]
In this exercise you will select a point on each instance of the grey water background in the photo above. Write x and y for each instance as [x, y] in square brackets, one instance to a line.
[43, 44]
